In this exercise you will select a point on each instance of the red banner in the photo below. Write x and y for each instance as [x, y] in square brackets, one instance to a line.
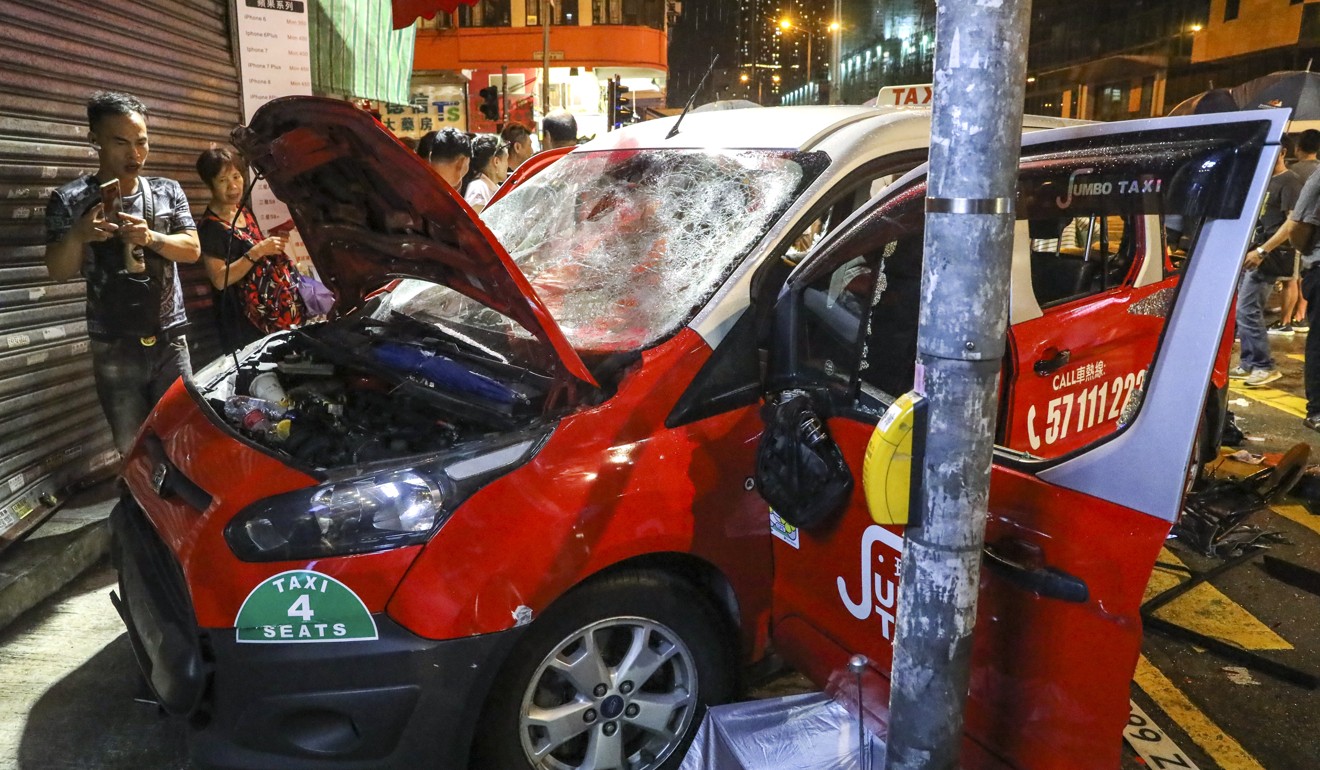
[407, 11]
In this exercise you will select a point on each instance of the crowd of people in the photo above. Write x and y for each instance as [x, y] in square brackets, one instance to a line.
[126, 233]
[1292, 202]
[475, 165]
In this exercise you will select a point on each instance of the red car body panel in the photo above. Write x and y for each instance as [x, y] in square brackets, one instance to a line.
[1053, 414]
[612, 484]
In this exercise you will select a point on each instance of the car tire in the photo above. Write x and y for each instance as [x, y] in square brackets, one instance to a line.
[565, 698]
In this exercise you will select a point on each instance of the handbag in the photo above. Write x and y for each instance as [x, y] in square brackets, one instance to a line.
[318, 299]
[799, 469]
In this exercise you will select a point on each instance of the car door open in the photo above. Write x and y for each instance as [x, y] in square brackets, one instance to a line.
[1072, 534]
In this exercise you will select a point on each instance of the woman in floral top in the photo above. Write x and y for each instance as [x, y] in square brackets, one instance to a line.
[256, 284]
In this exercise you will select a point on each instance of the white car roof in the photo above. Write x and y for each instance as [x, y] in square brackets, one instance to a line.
[777, 128]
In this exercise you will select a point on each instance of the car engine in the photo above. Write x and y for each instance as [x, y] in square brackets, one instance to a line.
[360, 391]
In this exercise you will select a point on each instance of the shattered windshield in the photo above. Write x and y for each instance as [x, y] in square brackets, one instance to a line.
[624, 246]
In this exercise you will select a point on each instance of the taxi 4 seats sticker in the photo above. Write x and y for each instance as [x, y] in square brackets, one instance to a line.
[303, 606]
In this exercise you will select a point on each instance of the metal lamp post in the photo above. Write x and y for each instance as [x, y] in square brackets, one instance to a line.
[546, 5]
[786, 25]
[837, 28]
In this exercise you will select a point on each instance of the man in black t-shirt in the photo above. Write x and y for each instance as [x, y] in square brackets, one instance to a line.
[1261, 269]
[135, 313]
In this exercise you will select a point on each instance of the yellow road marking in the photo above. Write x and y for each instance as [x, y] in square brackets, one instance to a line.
[1300, 515]
[1297, 356]
[1206, 610]
[1221, 747]
[1283, 401]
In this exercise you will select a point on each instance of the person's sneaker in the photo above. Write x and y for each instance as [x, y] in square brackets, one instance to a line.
[1300, 327]
[1312, 422]
[1283, 330]
[1238, 373]
[1262, 377]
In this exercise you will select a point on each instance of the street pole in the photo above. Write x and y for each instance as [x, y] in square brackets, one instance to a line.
[810, 35]
[976, 137]
[504, 95]
[545, 56]
[836, 82]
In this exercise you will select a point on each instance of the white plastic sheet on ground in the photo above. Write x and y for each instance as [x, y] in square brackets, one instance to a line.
[798, 732]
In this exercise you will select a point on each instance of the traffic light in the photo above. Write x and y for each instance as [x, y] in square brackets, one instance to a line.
[611, 105]
[620, 104]
[490, 102]
[624, 112]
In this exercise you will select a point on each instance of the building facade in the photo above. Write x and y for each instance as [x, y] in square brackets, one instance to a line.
[1108, 60]
[499, 43]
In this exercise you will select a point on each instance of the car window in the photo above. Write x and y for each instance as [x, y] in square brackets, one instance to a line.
[850, 195]
[1076, 257]
[1090, 238]
[624, 246]
[858, 320]
[1067, 379]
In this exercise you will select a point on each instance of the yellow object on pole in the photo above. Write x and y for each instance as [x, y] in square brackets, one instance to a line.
[890, 478]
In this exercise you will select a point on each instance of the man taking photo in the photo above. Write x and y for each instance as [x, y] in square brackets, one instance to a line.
[124, 232]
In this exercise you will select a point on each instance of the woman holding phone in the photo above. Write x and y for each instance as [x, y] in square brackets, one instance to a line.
[256, 284]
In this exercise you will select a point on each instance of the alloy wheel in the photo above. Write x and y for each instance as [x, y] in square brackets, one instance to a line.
[618, 694]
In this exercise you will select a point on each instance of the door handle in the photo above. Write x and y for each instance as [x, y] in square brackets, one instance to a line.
[1043, 581]
[1050, 364]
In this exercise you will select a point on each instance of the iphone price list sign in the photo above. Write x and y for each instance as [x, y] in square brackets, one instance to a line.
[274, 60]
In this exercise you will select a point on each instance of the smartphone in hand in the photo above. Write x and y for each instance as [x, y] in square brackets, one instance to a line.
[112, 202]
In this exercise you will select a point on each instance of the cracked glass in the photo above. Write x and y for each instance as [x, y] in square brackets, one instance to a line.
[624, 246]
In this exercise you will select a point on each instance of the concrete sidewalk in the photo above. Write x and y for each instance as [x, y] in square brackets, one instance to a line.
[71, 542]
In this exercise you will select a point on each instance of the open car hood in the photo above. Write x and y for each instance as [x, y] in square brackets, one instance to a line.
[370, 210]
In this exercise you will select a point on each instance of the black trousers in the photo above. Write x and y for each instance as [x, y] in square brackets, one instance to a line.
[1311, 370]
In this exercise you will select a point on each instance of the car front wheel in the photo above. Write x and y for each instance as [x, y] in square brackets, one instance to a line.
[616, 676]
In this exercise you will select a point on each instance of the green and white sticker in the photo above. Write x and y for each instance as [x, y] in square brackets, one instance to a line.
[301, 606]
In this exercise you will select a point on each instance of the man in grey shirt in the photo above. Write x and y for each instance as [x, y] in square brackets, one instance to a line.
[135, 314]
[1308, 211]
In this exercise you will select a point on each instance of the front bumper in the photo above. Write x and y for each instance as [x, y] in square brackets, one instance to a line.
[399, 701]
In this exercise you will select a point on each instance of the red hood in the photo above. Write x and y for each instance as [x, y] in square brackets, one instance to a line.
[370, 210]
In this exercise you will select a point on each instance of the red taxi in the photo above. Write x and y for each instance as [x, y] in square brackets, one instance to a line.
[504, 513]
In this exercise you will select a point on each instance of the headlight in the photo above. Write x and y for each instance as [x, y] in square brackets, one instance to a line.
[375, 513]
[363, 515]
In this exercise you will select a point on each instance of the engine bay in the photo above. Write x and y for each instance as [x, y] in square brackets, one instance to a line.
[362, 390]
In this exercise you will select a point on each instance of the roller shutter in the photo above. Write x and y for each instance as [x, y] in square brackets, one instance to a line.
[176, 56]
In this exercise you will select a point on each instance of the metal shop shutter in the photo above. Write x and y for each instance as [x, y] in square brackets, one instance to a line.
[53, 54]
